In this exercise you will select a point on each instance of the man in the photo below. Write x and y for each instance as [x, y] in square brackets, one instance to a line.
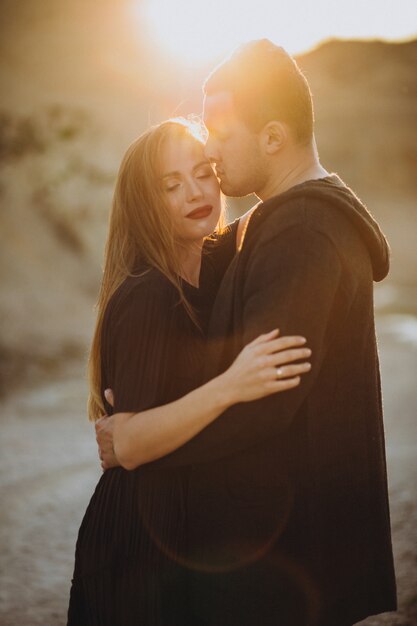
[288, 514]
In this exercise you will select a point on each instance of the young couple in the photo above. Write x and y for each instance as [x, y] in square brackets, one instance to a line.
[239, 488]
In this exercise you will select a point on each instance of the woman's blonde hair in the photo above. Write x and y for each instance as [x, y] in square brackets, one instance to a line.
[141, 232]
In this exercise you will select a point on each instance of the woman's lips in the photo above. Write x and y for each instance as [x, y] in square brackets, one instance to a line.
[200, 212]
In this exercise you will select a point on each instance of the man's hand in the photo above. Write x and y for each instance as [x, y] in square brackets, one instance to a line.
[104, 436]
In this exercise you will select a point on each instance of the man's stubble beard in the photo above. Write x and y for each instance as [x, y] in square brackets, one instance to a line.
[237, 190]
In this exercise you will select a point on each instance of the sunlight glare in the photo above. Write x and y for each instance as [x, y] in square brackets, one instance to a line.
[197, 32]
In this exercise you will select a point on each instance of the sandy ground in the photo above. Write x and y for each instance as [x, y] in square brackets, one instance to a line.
[49, 468]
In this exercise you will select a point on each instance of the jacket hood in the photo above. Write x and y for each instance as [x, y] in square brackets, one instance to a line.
[332, 191]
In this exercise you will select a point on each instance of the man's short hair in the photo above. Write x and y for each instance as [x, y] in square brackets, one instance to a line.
[266, 84]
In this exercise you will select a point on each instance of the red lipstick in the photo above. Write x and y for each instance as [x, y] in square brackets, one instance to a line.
[200, 212]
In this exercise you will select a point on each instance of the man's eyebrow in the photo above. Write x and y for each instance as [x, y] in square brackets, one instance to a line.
[176, 173]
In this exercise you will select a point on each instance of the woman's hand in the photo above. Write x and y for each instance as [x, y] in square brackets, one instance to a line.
[265, 366]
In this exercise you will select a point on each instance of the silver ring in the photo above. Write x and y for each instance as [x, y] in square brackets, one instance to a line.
[279, 372]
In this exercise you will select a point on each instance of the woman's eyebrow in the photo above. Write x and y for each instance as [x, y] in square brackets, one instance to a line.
[176, 173]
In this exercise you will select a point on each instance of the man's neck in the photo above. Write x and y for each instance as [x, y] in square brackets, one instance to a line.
[300, 167]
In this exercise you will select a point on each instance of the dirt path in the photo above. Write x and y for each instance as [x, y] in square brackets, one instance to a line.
[48, 469]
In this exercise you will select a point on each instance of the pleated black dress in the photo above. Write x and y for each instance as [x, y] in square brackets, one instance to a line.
[132, 542]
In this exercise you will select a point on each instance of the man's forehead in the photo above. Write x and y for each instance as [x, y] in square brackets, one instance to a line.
[218, 108]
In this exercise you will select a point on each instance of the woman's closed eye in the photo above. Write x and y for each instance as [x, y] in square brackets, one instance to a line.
[172, 187]
[205, 173]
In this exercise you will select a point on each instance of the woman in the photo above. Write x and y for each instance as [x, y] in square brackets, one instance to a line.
[149, 347]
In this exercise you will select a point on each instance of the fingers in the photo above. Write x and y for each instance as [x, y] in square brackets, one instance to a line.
[281, 343]
[108, 394]
[291, 371]
[284, 372]
[288, 356]
[101, 423]
[264, 338]
[274, 386]
[107, 462]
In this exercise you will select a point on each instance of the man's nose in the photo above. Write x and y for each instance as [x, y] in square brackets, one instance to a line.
[211, 151]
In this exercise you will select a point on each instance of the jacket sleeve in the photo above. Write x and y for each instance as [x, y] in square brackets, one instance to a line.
[291, 283]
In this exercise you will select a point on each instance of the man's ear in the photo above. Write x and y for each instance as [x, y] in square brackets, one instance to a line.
[274, 136]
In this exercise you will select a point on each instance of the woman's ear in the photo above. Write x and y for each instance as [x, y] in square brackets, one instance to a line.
[274, 136]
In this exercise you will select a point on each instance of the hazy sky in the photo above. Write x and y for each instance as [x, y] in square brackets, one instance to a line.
[197, 31]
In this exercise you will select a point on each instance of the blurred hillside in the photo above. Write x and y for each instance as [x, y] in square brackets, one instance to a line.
[80, 80]
[365, 96]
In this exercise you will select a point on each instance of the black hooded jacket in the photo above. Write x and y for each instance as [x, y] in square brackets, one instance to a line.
[287, 503]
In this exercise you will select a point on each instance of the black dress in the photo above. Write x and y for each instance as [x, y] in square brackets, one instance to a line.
[131, 548]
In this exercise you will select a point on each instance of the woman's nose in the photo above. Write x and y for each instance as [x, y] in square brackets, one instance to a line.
[193, 190]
